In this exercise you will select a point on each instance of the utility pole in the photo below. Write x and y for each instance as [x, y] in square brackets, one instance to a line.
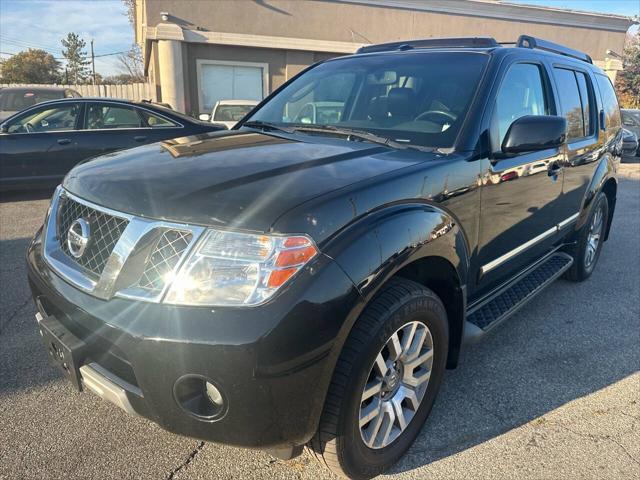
[93, 63]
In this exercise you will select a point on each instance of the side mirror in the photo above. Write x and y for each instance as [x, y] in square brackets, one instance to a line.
[629, 142]
[4, 128]
[535, 132]
[205, 117]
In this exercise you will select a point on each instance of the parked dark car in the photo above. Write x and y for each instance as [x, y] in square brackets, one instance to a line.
[288, 284]
[16, 99]
[40, 145]
[631, 122]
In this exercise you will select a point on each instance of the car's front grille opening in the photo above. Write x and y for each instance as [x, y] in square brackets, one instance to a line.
[164, 258]
[105, 231]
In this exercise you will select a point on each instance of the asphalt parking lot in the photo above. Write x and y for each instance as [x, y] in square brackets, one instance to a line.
[554, 393]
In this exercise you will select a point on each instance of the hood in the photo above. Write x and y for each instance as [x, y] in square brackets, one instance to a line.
[233, 179]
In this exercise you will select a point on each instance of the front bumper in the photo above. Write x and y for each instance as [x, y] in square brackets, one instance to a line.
[273, 363]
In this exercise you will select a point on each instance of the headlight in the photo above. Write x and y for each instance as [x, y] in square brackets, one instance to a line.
[232, 269]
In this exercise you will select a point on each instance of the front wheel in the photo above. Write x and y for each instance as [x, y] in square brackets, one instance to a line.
[385, 381]
[587, 250]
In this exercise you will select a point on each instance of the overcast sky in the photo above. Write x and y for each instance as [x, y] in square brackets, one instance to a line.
[43, 23]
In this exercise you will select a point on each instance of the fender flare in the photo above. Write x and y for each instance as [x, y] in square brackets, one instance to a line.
[604, 172]
[376, 246]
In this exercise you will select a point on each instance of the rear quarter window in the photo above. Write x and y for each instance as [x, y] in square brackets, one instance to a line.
[609, 103]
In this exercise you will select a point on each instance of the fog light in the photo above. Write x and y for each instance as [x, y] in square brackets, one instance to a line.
[200, 398]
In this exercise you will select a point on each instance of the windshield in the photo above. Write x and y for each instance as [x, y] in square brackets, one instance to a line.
[231, 113]
[413, 98]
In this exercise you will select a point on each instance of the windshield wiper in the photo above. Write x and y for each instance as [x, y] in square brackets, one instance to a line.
[350, 133]
[266, 126]
[364, 135]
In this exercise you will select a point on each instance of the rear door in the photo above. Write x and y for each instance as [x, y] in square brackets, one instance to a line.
[577, 99]
[110, 126]
[41, 145]
[520, 193]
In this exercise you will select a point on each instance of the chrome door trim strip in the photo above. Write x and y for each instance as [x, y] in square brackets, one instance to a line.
[567, 221]
[521, 248]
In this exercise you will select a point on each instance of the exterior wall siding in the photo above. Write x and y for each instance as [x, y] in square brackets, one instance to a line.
[359, 22]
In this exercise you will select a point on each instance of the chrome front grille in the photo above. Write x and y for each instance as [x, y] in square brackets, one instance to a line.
[125, 255]
[106, 230]
[164, 259]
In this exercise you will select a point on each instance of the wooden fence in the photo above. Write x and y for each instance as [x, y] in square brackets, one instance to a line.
[132, 91]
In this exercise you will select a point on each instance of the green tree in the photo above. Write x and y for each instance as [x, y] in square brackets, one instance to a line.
[628, 80]
[74, 52]
[30, 66]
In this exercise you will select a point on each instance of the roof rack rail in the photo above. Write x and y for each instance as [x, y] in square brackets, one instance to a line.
[527, 41]
[459, 42]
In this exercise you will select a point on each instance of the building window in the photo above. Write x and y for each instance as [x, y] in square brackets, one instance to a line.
[218, 80]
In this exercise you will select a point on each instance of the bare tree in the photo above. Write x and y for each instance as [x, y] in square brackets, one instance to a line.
[131, 64]
[130, 5]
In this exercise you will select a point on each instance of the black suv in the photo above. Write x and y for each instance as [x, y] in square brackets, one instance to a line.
[306, 278]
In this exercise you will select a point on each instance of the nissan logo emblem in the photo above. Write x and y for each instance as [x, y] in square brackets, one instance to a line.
[78, 237]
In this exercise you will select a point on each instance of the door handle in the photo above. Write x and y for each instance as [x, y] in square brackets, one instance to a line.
[140, 138]
[554, 169]
[64, 141]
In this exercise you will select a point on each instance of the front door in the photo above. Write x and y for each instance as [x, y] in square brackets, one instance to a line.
[111, 126]
[520, 193]
[41, 145]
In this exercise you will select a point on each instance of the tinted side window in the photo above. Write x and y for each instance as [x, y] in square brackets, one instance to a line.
[521, 93]
[156, 121]
[609, 102]
[47, 119]
[588, 106]
[100, 116]
[570, 102]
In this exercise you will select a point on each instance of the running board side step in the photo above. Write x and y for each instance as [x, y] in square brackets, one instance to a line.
[507, 301]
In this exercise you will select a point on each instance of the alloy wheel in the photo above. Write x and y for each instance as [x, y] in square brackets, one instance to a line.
[593, 237]
[396, 385]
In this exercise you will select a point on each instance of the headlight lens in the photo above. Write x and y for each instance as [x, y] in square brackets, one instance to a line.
[232, 269]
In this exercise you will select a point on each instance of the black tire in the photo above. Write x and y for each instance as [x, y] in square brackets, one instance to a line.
[580, 270]
[338, 443]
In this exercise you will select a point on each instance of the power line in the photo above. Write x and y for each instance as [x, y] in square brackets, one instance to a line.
[112, 53]
[63, 58]
[28, 44]
[53, 51]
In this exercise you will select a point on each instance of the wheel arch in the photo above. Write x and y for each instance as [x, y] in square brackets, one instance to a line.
[603, 180]
[440, 276]
[417, 241]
